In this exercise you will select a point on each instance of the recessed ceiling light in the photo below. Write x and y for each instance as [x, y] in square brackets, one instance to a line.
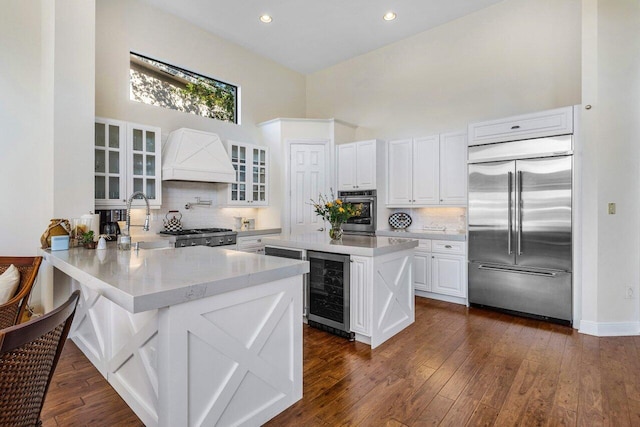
[389, 16]
[266, 18]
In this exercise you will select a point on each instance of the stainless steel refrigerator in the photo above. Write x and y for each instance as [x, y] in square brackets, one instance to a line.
[520, 227]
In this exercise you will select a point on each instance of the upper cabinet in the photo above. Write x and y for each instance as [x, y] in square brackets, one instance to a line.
[428, 171]
[250, 162]
[127, 159]
[537, 125]
[357, 166]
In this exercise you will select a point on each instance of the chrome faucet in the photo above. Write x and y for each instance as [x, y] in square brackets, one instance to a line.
[145, 227]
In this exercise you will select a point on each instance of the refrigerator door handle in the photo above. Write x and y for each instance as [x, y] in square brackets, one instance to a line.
[519, 216]
[514, 270]
[509, 212]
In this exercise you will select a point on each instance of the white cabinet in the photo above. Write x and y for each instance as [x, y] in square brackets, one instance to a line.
[448, 275]
[127, 159]
[422, 270]
[453, 168]
[537, 125]
[250, 187]
[252, 244]
[413, 171]
[361, 294]
[357, 166]
[427, 171]
[439, 268]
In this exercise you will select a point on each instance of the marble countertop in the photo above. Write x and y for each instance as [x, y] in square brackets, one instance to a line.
[350, 245]
[424, 234]
[149, 279]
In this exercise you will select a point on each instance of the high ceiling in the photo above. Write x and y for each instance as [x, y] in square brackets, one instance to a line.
[309, 35]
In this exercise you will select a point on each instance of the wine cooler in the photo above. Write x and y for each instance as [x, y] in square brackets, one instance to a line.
[328, 292]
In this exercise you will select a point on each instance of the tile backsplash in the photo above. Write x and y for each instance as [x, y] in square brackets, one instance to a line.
[176, 194]
[453, 219]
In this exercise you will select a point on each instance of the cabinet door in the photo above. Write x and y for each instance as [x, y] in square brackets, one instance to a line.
[536, 125]
[239, 190]
[366, 165]
[347, 167]
[110, 163]
[399, 172]
[425, 170]
[422, 270]
[453, 168]
[448, 275]
[361, 301]
[259, 176]
[143, 162]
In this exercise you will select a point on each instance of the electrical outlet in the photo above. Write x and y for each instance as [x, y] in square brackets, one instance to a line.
[629, 293]
[612, 208]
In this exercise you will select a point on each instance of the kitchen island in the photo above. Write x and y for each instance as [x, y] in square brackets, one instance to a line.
[190, 336]
[381, 296]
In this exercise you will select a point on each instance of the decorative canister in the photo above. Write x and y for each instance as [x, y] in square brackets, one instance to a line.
[57, 227]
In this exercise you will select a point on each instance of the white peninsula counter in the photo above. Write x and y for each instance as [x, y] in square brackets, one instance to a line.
[381, 291]
[191, 336]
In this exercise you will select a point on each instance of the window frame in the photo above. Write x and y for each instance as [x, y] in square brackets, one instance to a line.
[237, 103]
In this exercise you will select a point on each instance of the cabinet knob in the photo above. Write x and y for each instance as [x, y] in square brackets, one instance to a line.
[441, 200]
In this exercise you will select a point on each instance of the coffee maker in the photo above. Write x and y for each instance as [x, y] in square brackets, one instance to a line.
[109, 221]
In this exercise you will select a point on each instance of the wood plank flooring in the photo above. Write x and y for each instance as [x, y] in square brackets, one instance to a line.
[454, 367]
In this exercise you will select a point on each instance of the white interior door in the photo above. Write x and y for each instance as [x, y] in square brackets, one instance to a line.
[307, 179]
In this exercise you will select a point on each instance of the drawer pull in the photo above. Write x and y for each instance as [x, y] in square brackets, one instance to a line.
[515, 127]
[448, 246]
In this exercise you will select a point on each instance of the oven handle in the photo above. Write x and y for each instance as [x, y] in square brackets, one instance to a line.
[358, 199]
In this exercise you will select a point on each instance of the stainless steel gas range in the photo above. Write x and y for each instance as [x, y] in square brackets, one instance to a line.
[202, 237]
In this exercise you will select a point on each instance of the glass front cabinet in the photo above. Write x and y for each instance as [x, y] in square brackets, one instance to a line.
[250, 162]
[127, 159]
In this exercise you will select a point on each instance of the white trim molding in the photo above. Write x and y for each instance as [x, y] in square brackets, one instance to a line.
[609, 329]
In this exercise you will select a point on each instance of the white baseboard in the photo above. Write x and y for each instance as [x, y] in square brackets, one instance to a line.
[441, 297]
[609, 329]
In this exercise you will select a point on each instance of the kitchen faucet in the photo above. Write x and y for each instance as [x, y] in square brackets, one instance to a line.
[145, 227]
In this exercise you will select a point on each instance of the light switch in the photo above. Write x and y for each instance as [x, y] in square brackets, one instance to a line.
[612, 208]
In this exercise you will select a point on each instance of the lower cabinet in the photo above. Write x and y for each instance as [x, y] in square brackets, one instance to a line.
[360, 298]
[447, 275]
[252, 244]
[439, 267]
[422, 269]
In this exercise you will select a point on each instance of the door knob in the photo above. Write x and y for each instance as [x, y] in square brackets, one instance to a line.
[321, 229]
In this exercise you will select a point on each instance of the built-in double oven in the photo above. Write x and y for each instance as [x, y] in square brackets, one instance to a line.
[365, 223]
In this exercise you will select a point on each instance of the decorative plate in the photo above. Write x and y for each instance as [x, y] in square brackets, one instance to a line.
[399, 220]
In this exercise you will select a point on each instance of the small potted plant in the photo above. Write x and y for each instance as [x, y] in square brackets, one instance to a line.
[87, 240]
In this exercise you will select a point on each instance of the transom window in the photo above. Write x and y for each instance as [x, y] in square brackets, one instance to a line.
[157, 83]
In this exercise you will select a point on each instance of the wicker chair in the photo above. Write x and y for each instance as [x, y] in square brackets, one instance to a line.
[29, 353]
[12, 311]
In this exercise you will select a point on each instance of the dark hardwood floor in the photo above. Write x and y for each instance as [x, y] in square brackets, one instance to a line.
[454, 367]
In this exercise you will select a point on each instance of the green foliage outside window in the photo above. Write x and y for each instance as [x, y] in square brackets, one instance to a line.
[157, 83]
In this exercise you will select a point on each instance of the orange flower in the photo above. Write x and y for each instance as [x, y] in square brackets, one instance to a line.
[341, 210]
[338, 202]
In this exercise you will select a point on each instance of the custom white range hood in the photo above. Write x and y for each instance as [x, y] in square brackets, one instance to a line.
[193, 155]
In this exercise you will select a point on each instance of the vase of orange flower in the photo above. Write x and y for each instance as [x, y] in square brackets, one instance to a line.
[336, 212]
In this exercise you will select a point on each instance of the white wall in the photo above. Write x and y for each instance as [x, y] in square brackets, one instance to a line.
[268, 90]
[26, 185]
[515, 57]
[46, 116]
[611, 133]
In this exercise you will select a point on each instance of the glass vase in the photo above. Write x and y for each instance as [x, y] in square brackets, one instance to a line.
[335, 232]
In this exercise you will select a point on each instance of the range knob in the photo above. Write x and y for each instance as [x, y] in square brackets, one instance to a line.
[221, 240]
[182, 245]
[193, 243]
[207, 242]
